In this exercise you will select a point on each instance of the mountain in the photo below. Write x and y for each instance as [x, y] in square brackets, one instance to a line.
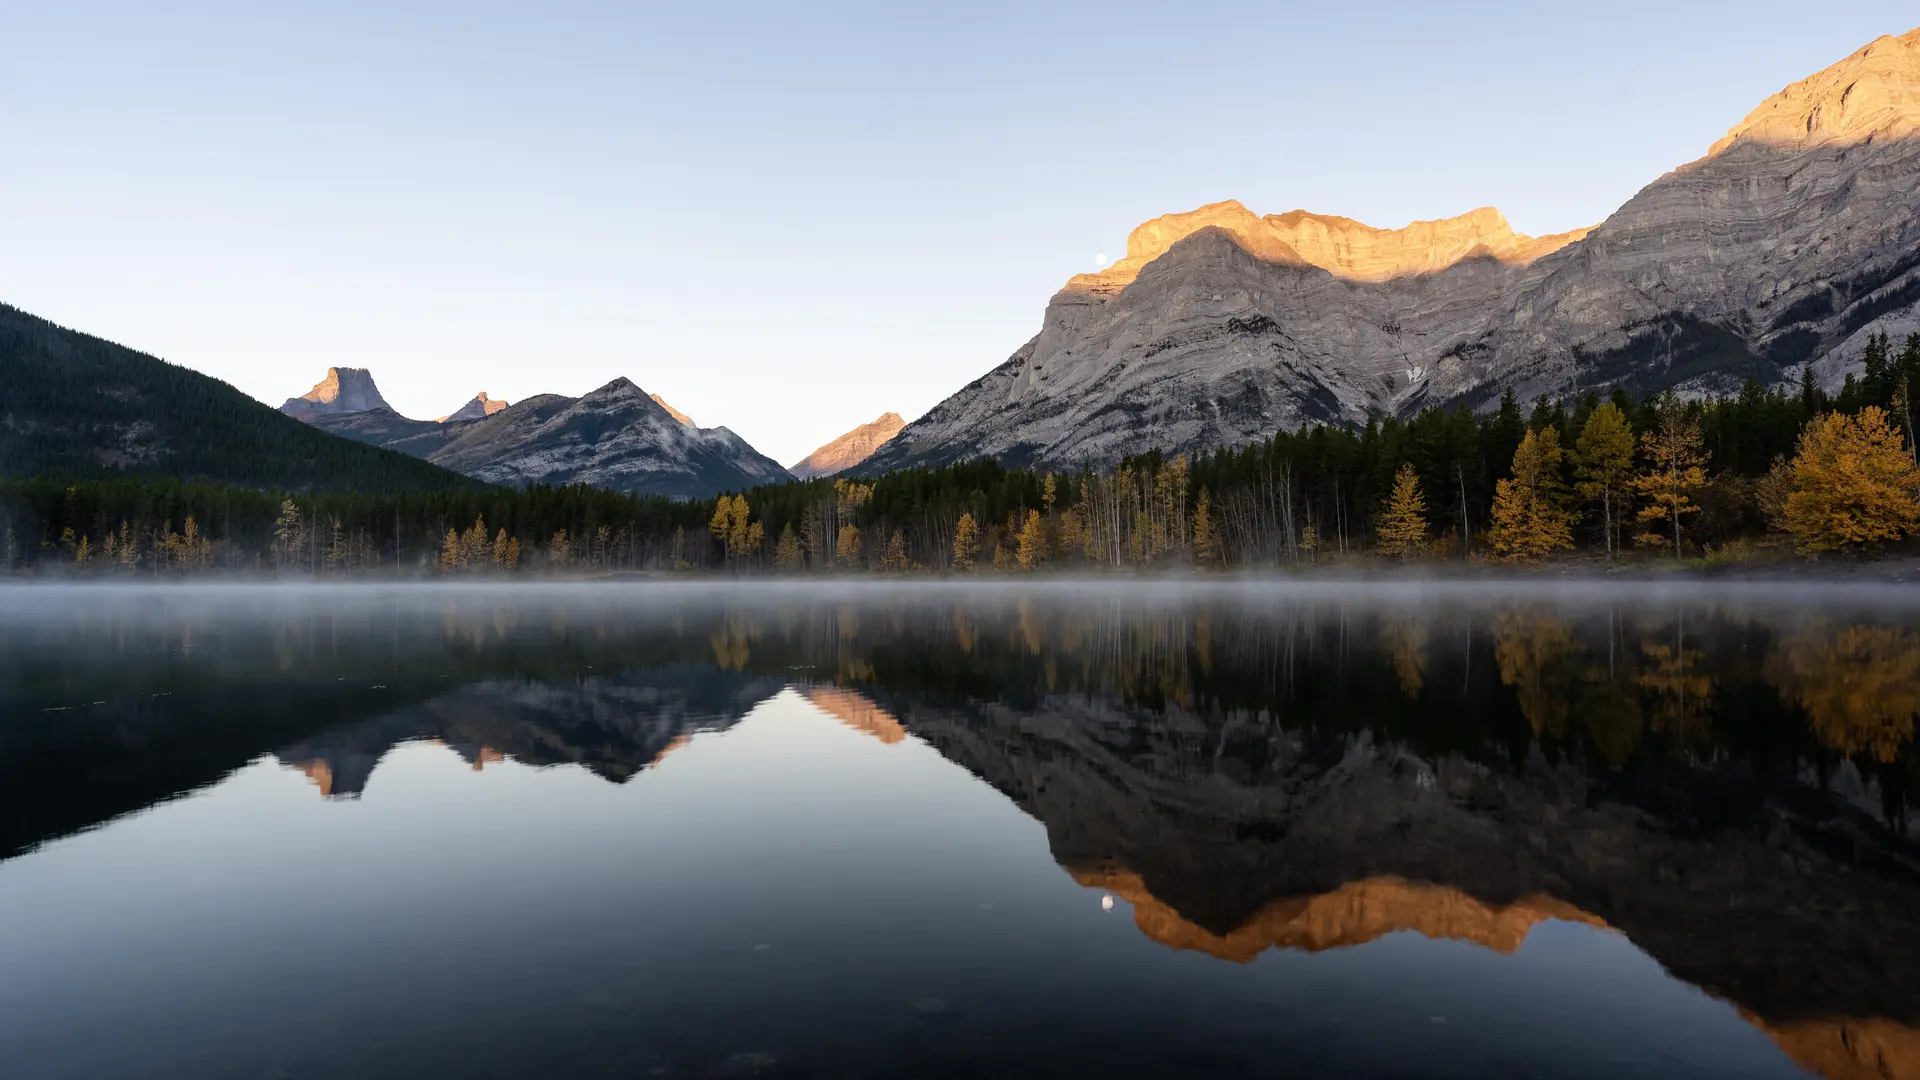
[850, 449]
[344, 390]
[479, 408]
[77, 405]
[673, 412]
[615, 437]
[1794, 237]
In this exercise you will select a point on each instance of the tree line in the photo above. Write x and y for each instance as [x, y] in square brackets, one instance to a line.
[1611, 478]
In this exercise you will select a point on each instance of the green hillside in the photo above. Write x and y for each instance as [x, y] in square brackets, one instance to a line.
[74, 405]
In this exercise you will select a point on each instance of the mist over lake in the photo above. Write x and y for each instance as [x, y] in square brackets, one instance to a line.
[1221, 827]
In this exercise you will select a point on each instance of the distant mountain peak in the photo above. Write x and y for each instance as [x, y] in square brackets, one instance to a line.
[673, 412]
[344, 390]
[850, 449]
[479, 408]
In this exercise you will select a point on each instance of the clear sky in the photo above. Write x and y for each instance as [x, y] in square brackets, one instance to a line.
[786, 218]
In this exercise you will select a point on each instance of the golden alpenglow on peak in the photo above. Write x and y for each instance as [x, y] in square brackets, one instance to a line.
[1873, 93]
[1341, 246]
[673, 412]
[850, 449]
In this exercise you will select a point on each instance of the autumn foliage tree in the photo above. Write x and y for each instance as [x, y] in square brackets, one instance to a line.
[1403, 524]
[1853, 485]
[1529, 520]
[1603, 464]
[1676, 467]
[966, 542]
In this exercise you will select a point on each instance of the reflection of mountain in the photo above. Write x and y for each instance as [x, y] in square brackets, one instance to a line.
[1353, 914]
[1231, 835]
[856, 711]
[614, 725]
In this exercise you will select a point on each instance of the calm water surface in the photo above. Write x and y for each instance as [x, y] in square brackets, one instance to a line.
[643, 830]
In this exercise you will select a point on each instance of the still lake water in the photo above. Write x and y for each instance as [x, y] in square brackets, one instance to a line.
[1235, 829]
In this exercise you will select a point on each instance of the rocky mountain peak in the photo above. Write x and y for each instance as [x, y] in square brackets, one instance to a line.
[850, 449]
[1873, 93]
[673, 412]
[344, 390]
[479, 408]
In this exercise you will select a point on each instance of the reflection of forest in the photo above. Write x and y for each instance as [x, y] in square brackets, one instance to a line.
[1733, 792]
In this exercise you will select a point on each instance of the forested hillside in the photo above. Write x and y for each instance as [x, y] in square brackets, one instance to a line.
[76, 406]
[1761, 474]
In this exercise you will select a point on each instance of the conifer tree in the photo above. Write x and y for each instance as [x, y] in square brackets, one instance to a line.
[1676, 465]
[1528, 520]
[1403, 525]
[1854, 486]
[1603, 462]
[966, 542]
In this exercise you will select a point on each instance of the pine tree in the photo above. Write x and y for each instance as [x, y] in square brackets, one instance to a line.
[966, 542]
[1854, 486]
[1403, 525]
[1528, 520]
[1676, 465]
[1603, 461]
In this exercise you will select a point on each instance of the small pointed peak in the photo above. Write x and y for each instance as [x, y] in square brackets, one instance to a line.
[343, 390]
[673, 412]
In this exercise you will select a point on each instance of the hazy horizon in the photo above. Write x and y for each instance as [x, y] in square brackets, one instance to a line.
[783, 223]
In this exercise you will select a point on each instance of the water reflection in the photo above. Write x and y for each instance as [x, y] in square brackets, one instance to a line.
[1727, 785]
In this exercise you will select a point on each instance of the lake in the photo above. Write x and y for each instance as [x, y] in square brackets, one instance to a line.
[1225, 828]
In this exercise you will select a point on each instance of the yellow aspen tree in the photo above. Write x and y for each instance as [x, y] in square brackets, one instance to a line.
[82, 552]
[1403, 525]
[786, 550]
[846, 549]
[966, 542]
[450, 552]
[1676, 464]
[1048, 493]
[500, 549]
[1528, 521]
[1854, 486]
[1603, 463]
[559, 550]
[896, 557]
[1033, 542]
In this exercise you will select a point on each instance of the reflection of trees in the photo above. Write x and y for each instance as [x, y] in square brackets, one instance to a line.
[1860, 686]
[1681, 689]
[1534, 651]
[1406, 640]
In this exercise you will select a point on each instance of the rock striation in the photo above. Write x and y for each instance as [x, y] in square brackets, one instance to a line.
[344, 390]
[1791, 240]
[850, 449]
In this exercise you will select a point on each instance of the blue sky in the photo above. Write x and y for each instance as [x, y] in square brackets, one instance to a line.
[785, 218]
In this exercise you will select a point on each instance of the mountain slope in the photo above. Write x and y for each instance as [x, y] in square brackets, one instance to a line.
[850, 449]
[77, 405]
[615, 437]
[1794, 237]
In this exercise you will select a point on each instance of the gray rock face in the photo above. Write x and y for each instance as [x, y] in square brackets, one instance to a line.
[344, 390]
[1790, 241]
[850, 449]
[615, 437]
